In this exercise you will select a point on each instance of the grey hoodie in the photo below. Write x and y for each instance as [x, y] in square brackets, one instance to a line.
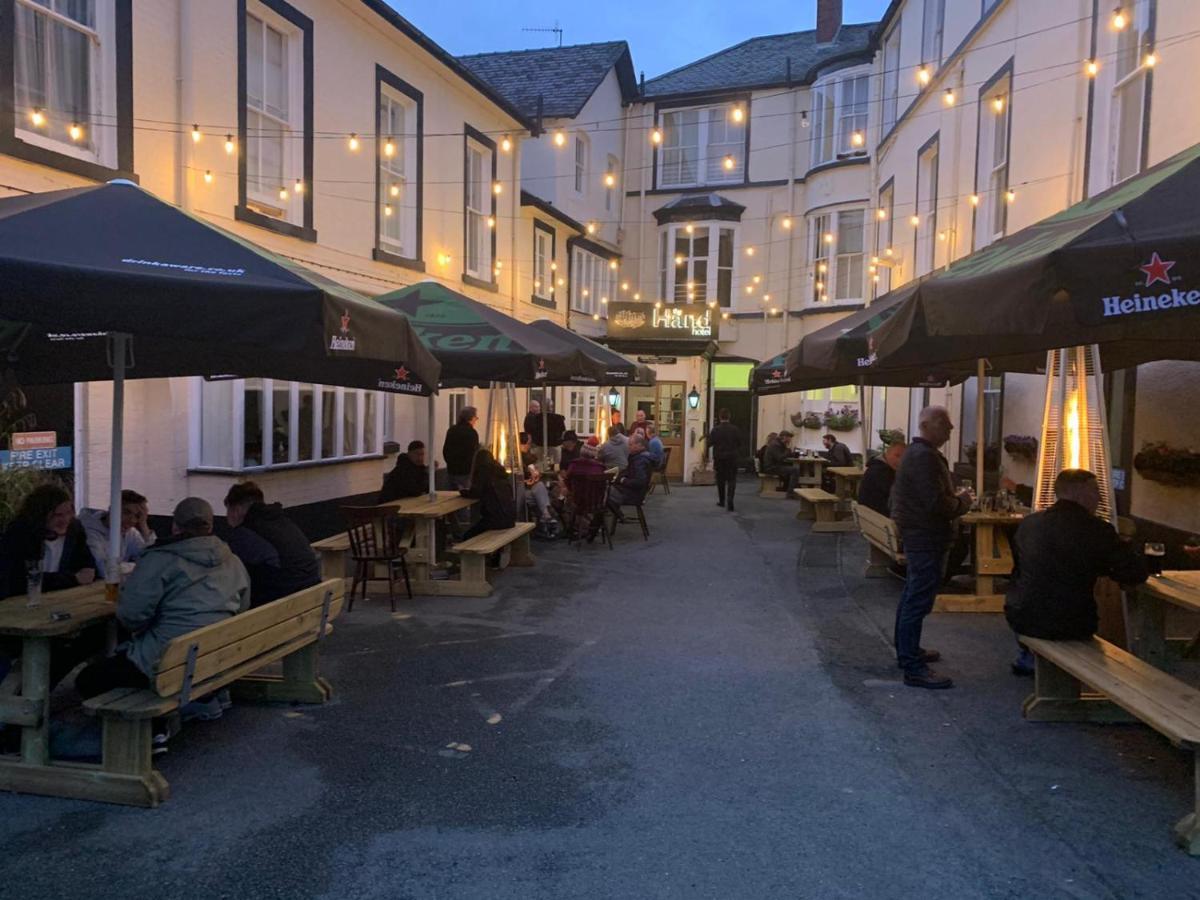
[177, 587]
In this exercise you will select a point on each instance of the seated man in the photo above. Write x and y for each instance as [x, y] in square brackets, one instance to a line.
[535, 491]
[274, 550]
[775, 461]
[409, 477]
[614, 452]
[631, 485]
[761, 452]
[180, 585]
[838, 454]
[570, 449]
[136, 535]
[654, 445]
[875, 489]
[1057, 556]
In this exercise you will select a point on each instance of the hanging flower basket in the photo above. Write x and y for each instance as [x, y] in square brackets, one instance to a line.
[1174, 466]
[1021, 446]
[806, 420]
[844, 419]
[991, 455]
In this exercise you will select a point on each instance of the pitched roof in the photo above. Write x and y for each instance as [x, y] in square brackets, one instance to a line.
[764, 62]
[699, 206]
[564, 77]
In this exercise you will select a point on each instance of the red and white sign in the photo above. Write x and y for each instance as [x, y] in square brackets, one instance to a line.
[34, 440]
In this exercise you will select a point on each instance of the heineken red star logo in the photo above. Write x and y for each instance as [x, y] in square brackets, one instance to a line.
[777, 373]
[345, 322]
[1157, 270]
[402, 374]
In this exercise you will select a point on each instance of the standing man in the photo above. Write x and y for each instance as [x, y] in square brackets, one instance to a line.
[725, 442]
[924, 507]
[638, 426]
[614, 422]
[459, 448]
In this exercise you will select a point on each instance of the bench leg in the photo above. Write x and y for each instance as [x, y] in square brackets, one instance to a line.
[806, 511]
[1187, 832]
[521, 554]
[473, 568]
[300, 682]
[877, 562]
[126, 764]
[1057, 697]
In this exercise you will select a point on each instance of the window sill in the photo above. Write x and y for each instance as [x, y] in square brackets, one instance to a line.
[392, 259]
[243, 213]
[11, 145]
[837, 164]
[283, 467]
[542, 301]
[472, 281]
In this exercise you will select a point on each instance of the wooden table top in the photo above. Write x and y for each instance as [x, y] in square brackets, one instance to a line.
[993, 518]
[1181, 588]
[845, 471]
[809, 460]
[447, 502]
[86, 604]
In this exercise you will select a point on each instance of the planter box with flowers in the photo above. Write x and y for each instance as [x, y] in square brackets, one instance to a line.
[1021, 446]
[844, 419]
[991, 455]
[1174, 466]
[806, 420]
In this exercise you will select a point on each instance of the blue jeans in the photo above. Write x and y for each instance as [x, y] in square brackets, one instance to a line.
[921, 581]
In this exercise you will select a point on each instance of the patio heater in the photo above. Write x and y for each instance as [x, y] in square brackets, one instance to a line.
[504, 426]
[1074, 426]
[603, 419]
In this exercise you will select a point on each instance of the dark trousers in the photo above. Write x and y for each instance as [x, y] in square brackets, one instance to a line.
[921, 582]
[726, 471]
[108, 674]
[787, 475]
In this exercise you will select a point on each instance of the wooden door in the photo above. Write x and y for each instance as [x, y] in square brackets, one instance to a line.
[670, 405]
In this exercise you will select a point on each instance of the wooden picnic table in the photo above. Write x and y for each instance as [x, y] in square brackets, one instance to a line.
[808, 470]
[423, 554]
[37, 630]
[1147, 613]
[846, 480]
[992, 557]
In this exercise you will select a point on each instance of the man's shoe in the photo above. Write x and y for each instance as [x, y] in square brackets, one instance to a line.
[730, 507]
[208, 710]
[929, 679]
[929, 656]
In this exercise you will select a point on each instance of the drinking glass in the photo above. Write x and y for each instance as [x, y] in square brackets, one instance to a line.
[1154, 553]
[33, 582]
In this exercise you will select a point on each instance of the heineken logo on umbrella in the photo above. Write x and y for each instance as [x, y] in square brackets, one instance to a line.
[400, 382]
[1156, 271]
[343, 341]
[871, 358]
[541, 369]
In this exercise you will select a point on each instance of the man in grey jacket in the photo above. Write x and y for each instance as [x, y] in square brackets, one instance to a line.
[179, 585]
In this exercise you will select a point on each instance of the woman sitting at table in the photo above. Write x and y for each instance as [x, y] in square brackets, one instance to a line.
[490, 485]
[46, 530]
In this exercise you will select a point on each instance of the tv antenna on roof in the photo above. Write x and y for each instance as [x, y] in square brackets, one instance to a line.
[556, 30]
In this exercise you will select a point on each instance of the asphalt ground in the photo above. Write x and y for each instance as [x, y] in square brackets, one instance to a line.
[713, 713]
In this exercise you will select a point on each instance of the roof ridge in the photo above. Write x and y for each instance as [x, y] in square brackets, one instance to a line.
[621, 43]
[724, 50]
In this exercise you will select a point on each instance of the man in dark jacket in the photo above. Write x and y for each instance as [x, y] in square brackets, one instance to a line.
[459, 448]
[838, 454]
[1058, 554]
[631, 485]
[775, 460]
[570, 450]
[875, 489]
[725, 442]
[272, 547]
[409, 477]
[924, 507]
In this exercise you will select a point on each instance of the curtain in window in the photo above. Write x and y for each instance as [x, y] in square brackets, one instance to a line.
[478, 245]
[266, 107]
[891, 79]
[53, 62]
[397, 203]
[852, 115]
[681, 147]
[849, 284]
[726, 139]
[824, 125]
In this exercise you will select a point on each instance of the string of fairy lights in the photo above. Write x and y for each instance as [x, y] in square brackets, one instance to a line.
[389, 145]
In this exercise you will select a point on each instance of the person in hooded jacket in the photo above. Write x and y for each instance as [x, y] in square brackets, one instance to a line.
[274, 550]
[181, 584]
[492, 487]
[409, 477]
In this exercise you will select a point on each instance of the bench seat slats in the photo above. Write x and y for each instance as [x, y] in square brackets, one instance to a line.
[334, 543]
[491, 541]
[816, 495]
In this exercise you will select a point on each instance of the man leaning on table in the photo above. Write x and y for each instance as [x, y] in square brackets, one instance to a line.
[1057, 556]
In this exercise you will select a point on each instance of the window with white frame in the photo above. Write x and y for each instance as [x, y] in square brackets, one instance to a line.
[63, 74]
[398, 154]
[610, 171]
[995, 118]
[582, 152]
[702, 146]
[696, 262]
[840, 118]
[1129, 92]
[885, 224]
[582, 404]
[593, 282]
[927, 206]
[257, 423]
[848, 281]
[822, 243]
[933, 26]
[272, 114]
[891, 79]
[477, 197]
[543, 258]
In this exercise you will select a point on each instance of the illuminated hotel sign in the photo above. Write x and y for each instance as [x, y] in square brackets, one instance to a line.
[670, 321]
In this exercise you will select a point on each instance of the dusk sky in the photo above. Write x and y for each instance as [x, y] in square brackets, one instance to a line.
[663, 34]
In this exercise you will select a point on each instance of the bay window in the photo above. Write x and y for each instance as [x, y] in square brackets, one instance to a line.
[840, 118]
[398, 155]
[702, 146]
[256, 423]
[696, 263]
[820, 250]
[479, 205]
[838, 255]
[1129, 92]
[593, 282]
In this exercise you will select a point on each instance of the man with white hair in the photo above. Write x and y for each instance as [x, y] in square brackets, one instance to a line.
[924, 506]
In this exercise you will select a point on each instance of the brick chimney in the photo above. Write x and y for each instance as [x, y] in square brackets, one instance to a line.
[829, 20]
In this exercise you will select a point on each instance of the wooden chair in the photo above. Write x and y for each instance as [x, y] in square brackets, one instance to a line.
[377, 536]
[589, 493]
[661, 473]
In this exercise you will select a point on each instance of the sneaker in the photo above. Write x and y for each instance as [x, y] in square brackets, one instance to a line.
[207, 710]
[929, 679]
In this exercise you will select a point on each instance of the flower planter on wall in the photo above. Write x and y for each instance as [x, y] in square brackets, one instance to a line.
[1172, 466]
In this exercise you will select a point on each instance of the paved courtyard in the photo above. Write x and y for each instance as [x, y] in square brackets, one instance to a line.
[713, 713]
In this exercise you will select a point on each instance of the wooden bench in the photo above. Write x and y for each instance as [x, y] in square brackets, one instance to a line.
[473, 556]
[334, 553]
[226, 653]
[1131, 689]
[822, 507]
[883, 541]
[768, 486]
[993, 558]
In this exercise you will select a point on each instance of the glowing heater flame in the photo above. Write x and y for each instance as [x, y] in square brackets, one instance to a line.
[1074, 442]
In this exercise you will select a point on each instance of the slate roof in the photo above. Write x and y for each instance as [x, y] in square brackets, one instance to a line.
[699, 206]
[565, 77]
[763, 62]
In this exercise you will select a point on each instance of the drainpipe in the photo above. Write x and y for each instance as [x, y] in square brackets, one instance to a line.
[514, 223]
[183, 105]
[787, 300]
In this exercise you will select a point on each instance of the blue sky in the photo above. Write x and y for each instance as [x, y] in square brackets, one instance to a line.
[663, 34]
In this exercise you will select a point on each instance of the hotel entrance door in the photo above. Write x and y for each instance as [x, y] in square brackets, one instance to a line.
[664, 405]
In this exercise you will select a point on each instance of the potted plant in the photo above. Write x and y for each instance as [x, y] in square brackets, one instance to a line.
[806, 420]
[1173, 466]
[1021, 446]
[991, 455]
[844, 419]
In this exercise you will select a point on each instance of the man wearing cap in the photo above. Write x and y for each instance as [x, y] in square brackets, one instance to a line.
[570, 449]
[776, 458]
[181, 584]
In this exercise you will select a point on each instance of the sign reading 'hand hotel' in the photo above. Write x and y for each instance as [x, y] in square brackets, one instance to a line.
[669, 322]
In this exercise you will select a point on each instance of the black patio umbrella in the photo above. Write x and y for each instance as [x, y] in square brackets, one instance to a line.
[478, 345]
[619, 369]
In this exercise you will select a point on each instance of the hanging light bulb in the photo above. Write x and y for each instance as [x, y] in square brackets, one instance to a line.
[37, 117]
[208, 176]
[822, 268]
[828, 237]
[728, 163]
[974, 199]
[941, 235]
[857, 139]
[506, 144]
[75, 131]
[591, 227]
[881, 214]
[491, 221]
[610, 180]
[725, 316]
[637, 296]
[613, 265]
[766, 298]
[560, 282]
[948, 97]
[229, 144]
[787, 222]
[998, 104]
[749, 289]
[1091, 67]
[283, 193]
[679, 260]
[624, 285]
[298, 187]
[749, 251]
[656, 135]
[586, 292]
[914, 220]
[1119, 19]
[353, 143]
[689, 228]
[658, 304]
[1010, 195]
[394, 190]
[738, 113]
[387, 209]
[389, 148]
[595, 317]
[871, 270]
[604, 301]
[924, 75]
[553, 267]
[888, 251]
[1151, 59]
[196, 134]
[560, 139]
[497, 187]
[757, 279]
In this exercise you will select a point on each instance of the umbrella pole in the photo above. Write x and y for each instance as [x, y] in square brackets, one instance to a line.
[113, 566]
[866, 426]
[980, 369]
[545, 432]
[430, 460]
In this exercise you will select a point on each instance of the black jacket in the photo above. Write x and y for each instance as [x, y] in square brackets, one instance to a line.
[924, 505]
[875, 489]
[275, 552]
[725, 441]
[1058, 555]
[568, 456]
[636, 478]
[21, 543]
[775, 458]
[407, 479]
[839, 455]
[459, 449]
[556, 427]
[496, 506]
